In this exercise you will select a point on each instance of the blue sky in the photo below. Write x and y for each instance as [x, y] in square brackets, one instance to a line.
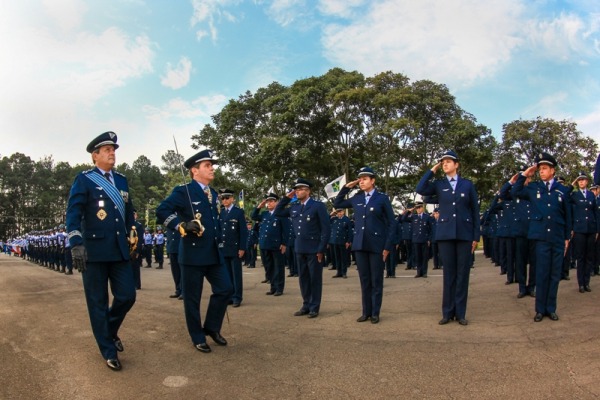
[151, 70]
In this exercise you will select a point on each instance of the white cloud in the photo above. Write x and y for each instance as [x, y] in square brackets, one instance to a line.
[201, 107]
[66, 14]
[339, 8]
[177, 77]
[589, 124]
[564, 37]
[549, 106]
[50, 81]
[211, 12]
[457, 42]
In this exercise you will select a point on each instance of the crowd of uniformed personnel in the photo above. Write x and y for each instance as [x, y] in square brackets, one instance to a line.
[536, 231]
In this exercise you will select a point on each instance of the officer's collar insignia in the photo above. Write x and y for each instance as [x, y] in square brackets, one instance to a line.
[195, 203]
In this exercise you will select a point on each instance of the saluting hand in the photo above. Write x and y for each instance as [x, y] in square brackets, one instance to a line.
[352, 184]
[514, 178]
[261, 204]
[530, 171]
[291, 194]
[435, 168]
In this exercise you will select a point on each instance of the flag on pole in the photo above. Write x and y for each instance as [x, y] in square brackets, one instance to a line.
[241, 199]
[334, 187]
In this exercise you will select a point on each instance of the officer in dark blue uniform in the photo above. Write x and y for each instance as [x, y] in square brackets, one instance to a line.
[311, 225]
[173, 238]
[135, 250]
[251, 245]
[585, 229]
[524, 248]
[271, 239]
[392, 261]
[192, 209]
[457, 232]
[234, 237]
[421, 238]
[98, 214]
[550, 227]
[340, 240]
[375, 229]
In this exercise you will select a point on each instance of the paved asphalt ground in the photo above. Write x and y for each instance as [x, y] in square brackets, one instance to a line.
[47, 350]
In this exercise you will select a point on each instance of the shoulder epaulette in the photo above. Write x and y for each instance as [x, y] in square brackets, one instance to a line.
[118, 173]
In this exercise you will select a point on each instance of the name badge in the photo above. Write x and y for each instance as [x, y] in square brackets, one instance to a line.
[538, 195]
[560, 199]
[101, 203]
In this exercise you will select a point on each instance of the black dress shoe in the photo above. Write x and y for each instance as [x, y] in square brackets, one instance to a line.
[508, 282]
[417, 276]
[345, 276]
[236, 305]
[553, 316]
[216, 336]
[277, 294]
[114, 364]
[313, 314]
[565, 278]
[203, 347]
[581, 289]
[180, 297]
[174, 296]
[422, 276]
[520, 295]
[362, 318]
[538, 317]
[587, 288]
[264, 281]
[300, 313]
[270, 292]
[118, 344]
[463, 322]
[444, 321]
[374, 319]
[336, 276]
[532, 293]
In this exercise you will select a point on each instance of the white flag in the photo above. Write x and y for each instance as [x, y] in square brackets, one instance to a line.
[334, 187]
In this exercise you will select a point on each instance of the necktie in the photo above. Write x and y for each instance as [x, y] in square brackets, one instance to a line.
[107, 176]
[548, 185]
[208, 194]
[367, 197]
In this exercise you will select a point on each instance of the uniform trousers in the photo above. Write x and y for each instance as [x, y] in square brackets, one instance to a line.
[457, 268]
[193, 281]
[584, 255]
[421, 257]
[310, 278]
[106, 320]
[370, 272]
[176, 272]
[390, 263]
[234, 268]
[549, 260]
[159, 254]
[525, 255]
[341, 257]
[136, 264]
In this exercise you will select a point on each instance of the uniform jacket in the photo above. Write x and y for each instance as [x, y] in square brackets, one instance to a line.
[173, 238]
[176, 208]
[421, 227]
[234, 231]
[311, 226]
[341, 230]
[585, 218]
[550, 210]
[375, 228]
[459, 209]
[521, 215]
[272, 230]
[94, 220]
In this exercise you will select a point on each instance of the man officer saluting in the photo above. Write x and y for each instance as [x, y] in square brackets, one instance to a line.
[98, 214]
[192, 209]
